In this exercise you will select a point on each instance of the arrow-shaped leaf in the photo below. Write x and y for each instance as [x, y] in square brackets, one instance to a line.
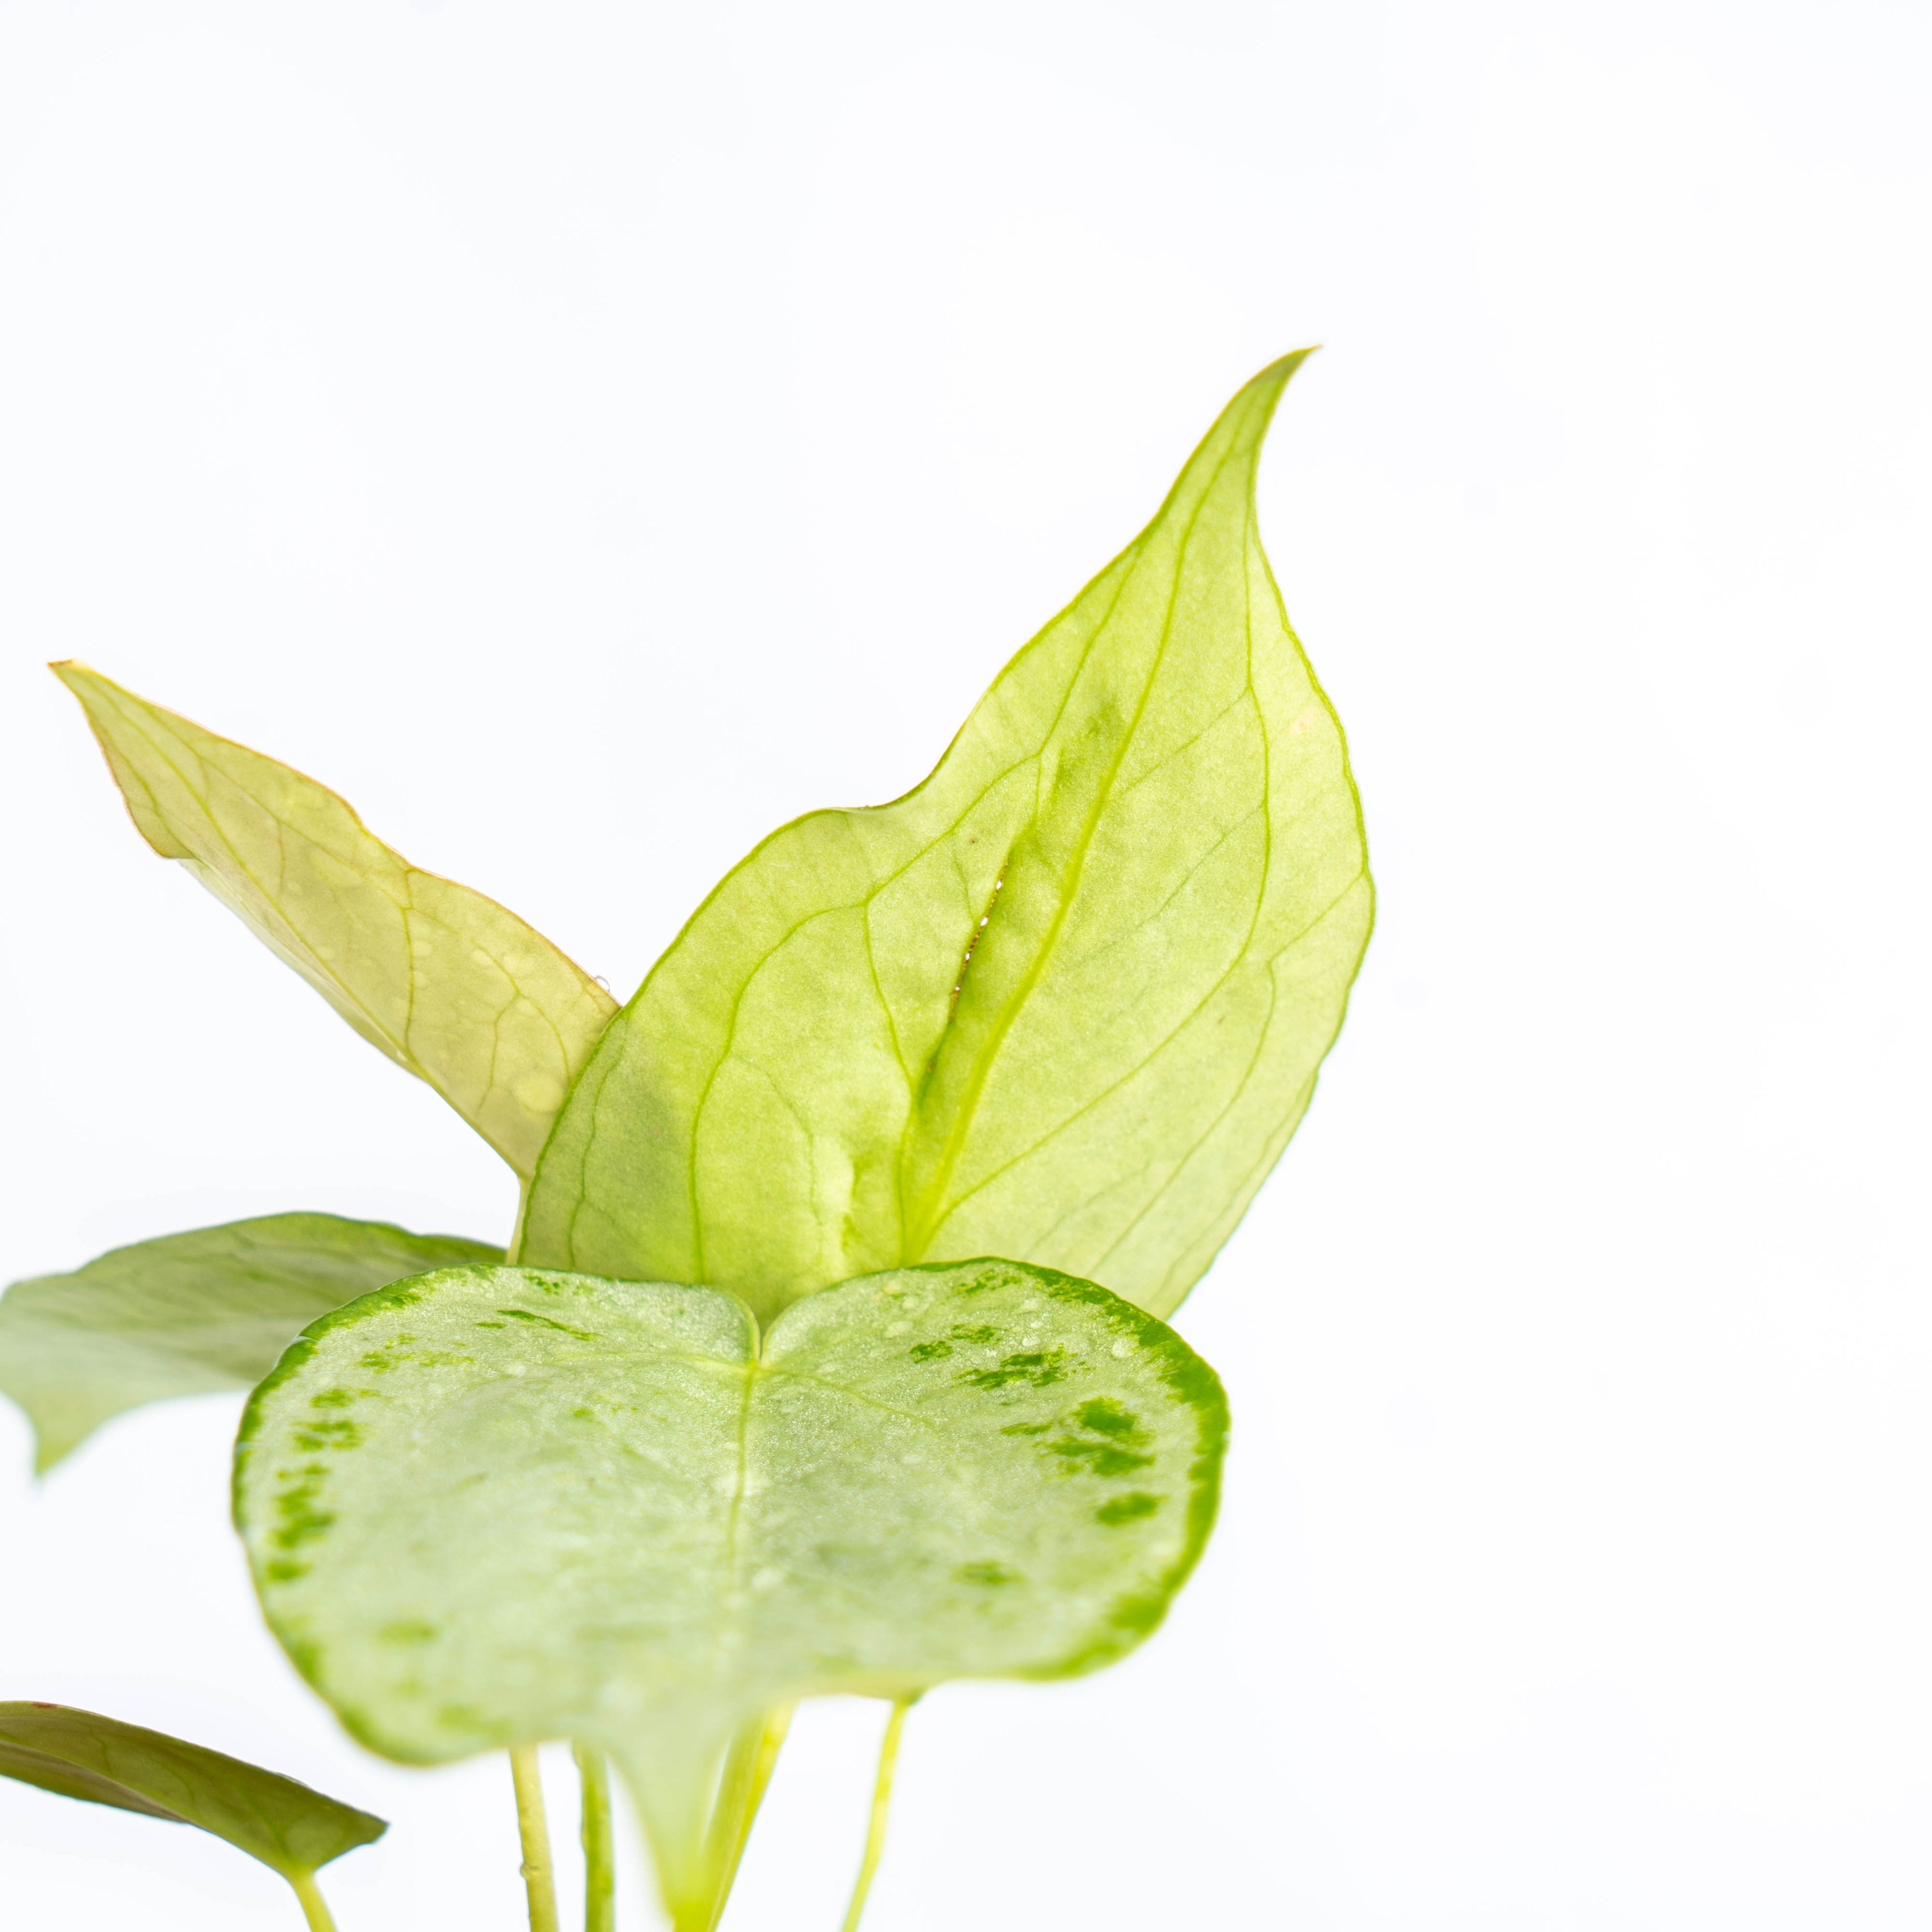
[446, 982]
[1065, 1001]
[292, 1830]
[186, 1314]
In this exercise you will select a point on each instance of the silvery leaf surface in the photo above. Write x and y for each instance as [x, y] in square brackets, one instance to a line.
[494, 1505]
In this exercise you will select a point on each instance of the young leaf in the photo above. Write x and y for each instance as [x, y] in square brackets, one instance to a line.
[292, 1830]
[1065, 1000]
[446, 982]
[188, 1313]
[494, 1505]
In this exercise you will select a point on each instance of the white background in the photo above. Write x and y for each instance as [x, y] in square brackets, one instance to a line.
[589, 434]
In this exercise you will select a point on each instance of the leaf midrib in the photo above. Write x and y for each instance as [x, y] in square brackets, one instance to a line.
[934, 1216]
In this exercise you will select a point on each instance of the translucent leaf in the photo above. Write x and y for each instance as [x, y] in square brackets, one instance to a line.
[1065, 1001]
[628, 1523]
[292, 1830]
[446, 982]
[186, 1314]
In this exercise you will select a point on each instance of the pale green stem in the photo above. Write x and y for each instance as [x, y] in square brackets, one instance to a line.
[741, 1789]
[600, 1878]
[758, 1775]
[882, 1798]
[513, 1248]
[314, 1910]
[539, 1880]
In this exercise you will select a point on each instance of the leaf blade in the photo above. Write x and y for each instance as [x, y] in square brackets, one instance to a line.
[448, 984]
[1065, 1000]
[982, 1469]
[75, 1753]
[191, 1313]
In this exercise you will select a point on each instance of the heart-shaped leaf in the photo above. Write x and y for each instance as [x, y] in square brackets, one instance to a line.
[186, 1314]
[494, 1505]
[292, 1829]
[1064, 1001]
[446, 982]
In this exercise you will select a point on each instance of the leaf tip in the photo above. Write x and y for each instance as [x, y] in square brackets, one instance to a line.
[1270, 381]
[80, 676]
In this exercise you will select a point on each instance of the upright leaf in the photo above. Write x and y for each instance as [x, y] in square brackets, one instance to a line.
[623, 1521]
[1065, 1001]
[186, 1314]
[292, 1830]
[446, 982]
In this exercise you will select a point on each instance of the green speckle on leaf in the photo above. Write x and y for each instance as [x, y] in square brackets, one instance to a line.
[298, 1520]
[339, 1433]
[1039, 1370]
[1139, 1614]
[990, 1575]
[408, 1630]
[543, 1321]
[1130, 1508]
[1096, 1459]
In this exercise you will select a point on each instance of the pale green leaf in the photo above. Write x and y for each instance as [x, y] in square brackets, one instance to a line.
[292, 1829]
[494, 1505]
[1065, 1001]
[187, 1314]
[446, 982]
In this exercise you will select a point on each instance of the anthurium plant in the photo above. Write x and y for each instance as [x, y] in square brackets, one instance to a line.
[828, 1352]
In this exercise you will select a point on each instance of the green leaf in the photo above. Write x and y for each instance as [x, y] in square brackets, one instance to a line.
[292, 1830]
[186, 1314]
[448, 983]
[495, 1505]
[1065, 1001]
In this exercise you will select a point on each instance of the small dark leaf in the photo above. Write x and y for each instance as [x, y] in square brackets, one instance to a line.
[292, 1829]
